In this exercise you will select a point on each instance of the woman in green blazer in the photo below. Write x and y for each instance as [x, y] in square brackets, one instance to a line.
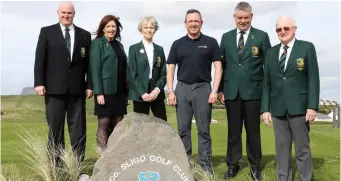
[147, 72]
[108, 63]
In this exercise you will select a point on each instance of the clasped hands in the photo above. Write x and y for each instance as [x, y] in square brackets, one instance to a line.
[151, 96]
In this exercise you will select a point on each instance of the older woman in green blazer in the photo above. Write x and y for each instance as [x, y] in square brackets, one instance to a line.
[108, 63]
[147, 72]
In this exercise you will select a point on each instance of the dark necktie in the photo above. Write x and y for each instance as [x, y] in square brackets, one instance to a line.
[68, 39]
[241, 43]
[283, 57]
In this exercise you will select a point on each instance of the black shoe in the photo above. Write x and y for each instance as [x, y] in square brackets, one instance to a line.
[256, 174]
[231, 172]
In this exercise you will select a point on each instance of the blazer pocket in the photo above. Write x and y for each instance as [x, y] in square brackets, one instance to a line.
[303, 91]
[105, 75]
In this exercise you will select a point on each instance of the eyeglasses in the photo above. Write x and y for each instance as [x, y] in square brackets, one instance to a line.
[284, 28]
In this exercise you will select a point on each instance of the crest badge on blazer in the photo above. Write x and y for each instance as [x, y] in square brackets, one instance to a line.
[300, 64]
[158, 61]
[255, 51]
[83, 53]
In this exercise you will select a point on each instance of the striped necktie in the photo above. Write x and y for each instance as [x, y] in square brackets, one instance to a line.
[68, 39]
[283, 58]
[241, 43]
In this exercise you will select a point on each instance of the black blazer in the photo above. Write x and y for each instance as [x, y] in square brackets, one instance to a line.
[53, 67]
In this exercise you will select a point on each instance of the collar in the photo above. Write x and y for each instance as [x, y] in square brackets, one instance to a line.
[71, 27]
[246, 32]
[290, 44]
[189, 38]
[147, 44]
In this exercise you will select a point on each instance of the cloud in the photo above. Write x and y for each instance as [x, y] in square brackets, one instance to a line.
[21, 22]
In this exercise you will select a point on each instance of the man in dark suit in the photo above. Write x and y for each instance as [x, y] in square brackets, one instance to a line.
[61, 75]
[290, 98]
[243, 50]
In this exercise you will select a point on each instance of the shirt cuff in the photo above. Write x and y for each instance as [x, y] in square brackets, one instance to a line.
[158, 89]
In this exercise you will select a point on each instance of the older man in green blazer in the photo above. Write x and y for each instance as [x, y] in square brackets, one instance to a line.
[244, 49]
[290, 98]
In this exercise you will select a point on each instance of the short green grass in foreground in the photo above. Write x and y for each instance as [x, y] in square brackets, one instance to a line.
[28, 112]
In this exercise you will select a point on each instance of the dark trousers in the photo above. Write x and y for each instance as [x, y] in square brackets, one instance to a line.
[290, 129]
[193, 99]
[247, 111]
[158, 108]
[57, 106]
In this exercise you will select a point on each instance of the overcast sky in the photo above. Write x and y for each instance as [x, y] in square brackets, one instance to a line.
[318, 22]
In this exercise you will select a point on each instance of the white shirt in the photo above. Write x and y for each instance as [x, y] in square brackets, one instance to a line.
[246, 34]
[150, 54]
[72, 36]
[281, 50]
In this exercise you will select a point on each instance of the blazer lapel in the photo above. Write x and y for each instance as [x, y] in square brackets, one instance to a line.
[277, 57]
[107, 45]
[234, 44]
[155, 55]
[248, 43]
[76, 43]
[294, 51]
[144, 52]
[61, 37]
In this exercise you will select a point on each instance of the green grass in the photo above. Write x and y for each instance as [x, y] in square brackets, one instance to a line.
[29, 112]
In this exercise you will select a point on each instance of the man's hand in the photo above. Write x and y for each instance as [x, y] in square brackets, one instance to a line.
[267, 118]
[311, 115]
[213, 97]
[89, 93]
[221, 98]
[100, 100]
[40, 90]
[153, 95]
[145, 97]
[171, 99]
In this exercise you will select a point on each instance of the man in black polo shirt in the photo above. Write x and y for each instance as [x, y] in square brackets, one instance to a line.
[194, 54]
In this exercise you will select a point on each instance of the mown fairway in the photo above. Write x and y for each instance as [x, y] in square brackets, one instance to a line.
[28, 112]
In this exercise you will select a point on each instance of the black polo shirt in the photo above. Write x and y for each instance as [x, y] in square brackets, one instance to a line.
[194, 58]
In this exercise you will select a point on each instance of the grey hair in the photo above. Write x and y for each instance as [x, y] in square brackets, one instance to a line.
[151, 19]
[243, 6]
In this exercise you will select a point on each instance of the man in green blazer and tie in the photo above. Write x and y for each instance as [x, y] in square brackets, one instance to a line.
[290, 98]
[243, 49]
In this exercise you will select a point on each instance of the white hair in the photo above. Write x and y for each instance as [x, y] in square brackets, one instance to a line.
[151, 19]
[287, 18]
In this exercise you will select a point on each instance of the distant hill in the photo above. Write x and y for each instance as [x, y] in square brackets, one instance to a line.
[28, 91]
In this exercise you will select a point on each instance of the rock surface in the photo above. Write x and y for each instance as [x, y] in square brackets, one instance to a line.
[143, 148]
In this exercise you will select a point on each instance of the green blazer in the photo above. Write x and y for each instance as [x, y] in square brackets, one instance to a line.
[244, 74]
[103, 63]
[298, 88]
[138, 71]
